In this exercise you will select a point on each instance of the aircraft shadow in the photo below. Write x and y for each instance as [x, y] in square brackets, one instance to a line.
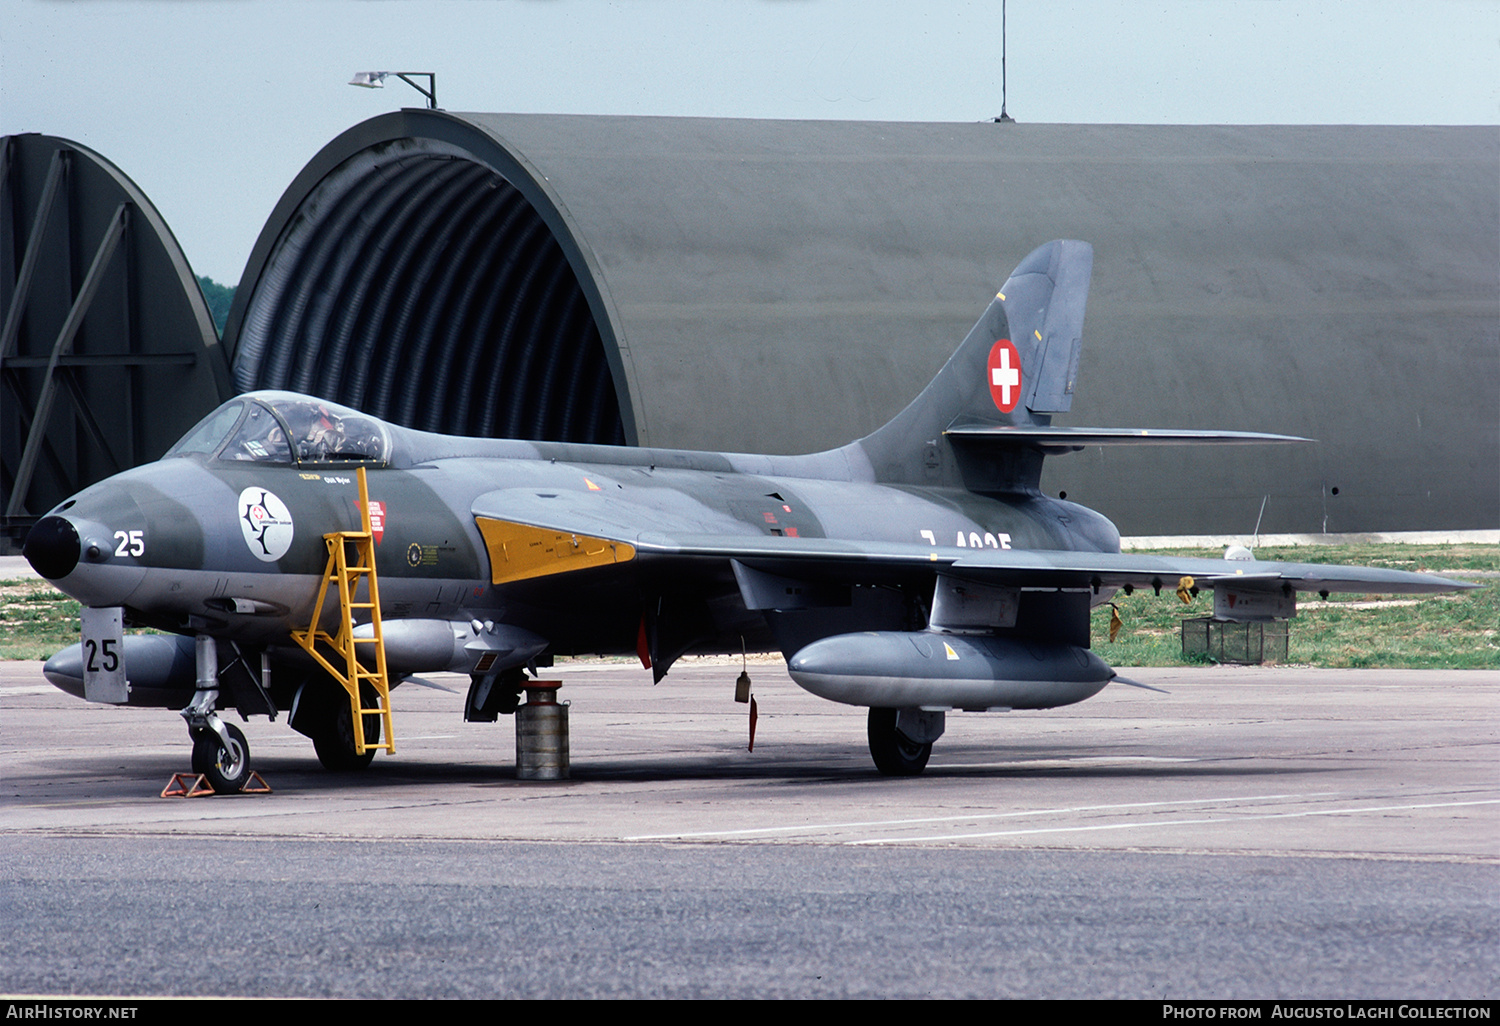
[298, 773]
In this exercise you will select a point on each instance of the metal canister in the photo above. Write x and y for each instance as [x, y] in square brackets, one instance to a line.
[542, 733]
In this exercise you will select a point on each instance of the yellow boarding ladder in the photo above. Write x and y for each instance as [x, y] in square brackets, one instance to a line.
[346, 576]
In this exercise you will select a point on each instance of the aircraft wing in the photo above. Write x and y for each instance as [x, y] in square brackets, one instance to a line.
[678, 534]
[872, 561]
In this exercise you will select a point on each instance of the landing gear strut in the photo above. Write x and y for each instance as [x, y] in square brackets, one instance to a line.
[220, 751]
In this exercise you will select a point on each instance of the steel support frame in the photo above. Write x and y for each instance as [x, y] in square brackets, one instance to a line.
[62, 346]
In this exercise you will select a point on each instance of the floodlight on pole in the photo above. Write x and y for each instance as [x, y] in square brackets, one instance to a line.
[376, 80]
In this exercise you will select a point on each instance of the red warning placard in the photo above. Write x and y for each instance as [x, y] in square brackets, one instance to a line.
[377, 520]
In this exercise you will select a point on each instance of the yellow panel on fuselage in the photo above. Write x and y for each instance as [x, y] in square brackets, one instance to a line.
[519, 552]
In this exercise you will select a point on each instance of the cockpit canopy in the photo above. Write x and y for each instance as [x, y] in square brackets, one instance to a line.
[283, 427]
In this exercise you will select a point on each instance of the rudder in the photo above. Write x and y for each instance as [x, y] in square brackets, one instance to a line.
[1016, 367]
[1044, 301]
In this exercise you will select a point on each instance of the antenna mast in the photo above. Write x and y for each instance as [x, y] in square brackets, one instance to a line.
[1004, 118]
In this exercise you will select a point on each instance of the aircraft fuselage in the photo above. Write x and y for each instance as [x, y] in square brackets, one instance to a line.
[236, 548]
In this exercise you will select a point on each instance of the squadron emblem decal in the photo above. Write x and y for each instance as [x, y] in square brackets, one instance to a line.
[266, 524]
[1004, 371]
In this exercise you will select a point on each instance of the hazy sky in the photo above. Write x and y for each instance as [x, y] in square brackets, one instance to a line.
[213, 107]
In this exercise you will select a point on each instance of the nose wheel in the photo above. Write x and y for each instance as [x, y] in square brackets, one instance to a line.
[224, 762]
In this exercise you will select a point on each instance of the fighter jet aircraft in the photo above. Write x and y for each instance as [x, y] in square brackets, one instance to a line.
[915, 571]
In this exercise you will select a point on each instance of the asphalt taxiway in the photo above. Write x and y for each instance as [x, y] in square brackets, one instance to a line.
[1257, 832]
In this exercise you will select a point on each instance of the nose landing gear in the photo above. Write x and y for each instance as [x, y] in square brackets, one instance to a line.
[220, 752]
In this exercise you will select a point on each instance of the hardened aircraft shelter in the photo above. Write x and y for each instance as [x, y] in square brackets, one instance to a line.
[786, 286]
[107, 350]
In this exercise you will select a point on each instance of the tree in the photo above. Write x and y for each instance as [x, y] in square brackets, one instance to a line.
[219, 298]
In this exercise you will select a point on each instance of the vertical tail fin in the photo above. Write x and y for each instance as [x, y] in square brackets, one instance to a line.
[1017, 366]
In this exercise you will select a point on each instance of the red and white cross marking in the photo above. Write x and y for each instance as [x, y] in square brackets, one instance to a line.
[1004, 370]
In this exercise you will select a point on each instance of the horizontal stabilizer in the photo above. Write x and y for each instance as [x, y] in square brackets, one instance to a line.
[1067, 439]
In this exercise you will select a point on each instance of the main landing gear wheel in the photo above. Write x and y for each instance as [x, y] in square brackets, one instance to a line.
[334, 741]
[895, 755]
[227, 768]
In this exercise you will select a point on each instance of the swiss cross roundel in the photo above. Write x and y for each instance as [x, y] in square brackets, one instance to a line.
[1004, 374]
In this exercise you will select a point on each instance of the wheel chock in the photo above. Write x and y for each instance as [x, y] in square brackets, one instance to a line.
[186, 785]
[195, 785]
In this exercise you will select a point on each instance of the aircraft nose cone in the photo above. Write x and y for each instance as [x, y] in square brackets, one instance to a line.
[52, 547]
